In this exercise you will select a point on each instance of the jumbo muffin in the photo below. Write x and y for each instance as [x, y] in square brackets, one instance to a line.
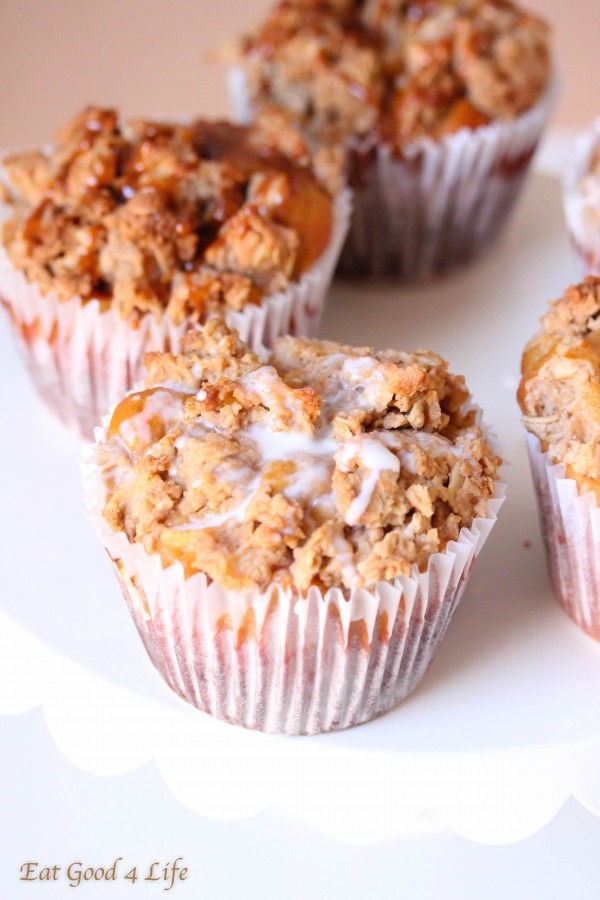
[440, 104]
[560, 399]
[293, 537]
[581, 199]
[122, 235]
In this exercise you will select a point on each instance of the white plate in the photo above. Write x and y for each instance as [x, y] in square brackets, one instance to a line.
[506, 723]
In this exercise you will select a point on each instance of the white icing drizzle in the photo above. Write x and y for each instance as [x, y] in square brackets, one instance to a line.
[313, 456]
[344, 553]
[370, 451]
[180, 442]
[364, 381]
[312, 478]
[372, 454]
[240, 475]
[266, 384]
[354, 368]
[215, 520]
[360, 504]
[351, 382]
[288, 444]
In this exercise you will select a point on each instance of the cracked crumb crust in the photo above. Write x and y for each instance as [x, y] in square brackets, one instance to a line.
[405, 68]
[328, 465]
[162, 217]
[559, 392]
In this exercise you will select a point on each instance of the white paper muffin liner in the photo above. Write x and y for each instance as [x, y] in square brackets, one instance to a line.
[83, 360]
[279, 662]
[440, 204]
[581, 202]
[570, 523]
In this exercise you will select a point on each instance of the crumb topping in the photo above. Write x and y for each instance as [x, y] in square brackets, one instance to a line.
[328, 465]
[409, 68]
[162, 217]
[559, 393]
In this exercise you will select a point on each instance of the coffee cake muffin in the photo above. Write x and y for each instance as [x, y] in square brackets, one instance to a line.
[123, 235]
[559, 395]
[293, 536]
[440, 104]
[581, 200]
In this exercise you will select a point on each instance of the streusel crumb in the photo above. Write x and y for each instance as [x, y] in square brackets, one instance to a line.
[327, 465]
[151, 216]
[559, 393]
[409, 68]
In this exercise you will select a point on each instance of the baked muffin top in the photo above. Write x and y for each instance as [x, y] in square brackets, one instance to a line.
[156, 216]
[559, 392]
[404, 69]
[328, 465]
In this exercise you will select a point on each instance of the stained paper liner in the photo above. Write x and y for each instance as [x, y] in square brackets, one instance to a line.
[280, 662]
[438, 205]
[581, 202]
[84, 360]
[570, 523]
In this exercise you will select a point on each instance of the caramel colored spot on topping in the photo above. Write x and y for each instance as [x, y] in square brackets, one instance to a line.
[145, 417]
[462, 115]
[296, 201]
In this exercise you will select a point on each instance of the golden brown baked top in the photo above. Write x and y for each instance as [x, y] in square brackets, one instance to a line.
[559, 392]
[411, 68]
[329, 465]
[154, 216]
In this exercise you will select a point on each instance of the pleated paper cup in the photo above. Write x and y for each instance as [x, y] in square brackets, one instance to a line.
[439, 204]
[570, 523]
[83, 359]
[581, 202]
[278, 661]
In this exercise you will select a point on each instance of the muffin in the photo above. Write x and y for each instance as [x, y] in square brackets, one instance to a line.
[121, 236]
[581, 200]
[559, 395]
[293, 536]
[439, 103]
